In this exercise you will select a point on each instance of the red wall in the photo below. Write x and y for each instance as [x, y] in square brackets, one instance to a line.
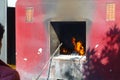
[30, 37]
[34, 35]
[99, 24]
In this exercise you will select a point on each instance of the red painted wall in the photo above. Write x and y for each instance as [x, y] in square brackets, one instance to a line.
[104, 60]
[30, 38]
[99, 24]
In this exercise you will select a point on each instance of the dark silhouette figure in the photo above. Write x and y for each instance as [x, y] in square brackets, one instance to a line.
[6, 72]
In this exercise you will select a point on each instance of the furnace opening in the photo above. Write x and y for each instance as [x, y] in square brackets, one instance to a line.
[71, 33]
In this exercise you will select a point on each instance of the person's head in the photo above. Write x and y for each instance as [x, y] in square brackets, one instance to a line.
[1, 34]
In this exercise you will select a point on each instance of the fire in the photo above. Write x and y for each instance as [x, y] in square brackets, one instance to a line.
[65, 51]
[78, 47]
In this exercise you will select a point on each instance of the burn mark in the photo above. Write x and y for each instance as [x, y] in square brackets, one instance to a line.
[69, 75]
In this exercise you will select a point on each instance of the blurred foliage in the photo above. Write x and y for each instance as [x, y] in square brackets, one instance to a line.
[104, 63]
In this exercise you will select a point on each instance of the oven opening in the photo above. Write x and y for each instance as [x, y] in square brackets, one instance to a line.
[71, 33]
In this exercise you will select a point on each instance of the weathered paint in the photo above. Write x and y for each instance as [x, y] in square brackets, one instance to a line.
[31, 40]
[32, 36]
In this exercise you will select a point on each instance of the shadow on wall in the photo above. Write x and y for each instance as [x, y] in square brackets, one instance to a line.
[104, 65]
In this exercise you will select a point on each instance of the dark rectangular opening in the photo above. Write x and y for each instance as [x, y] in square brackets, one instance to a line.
[11, 57]
[71, 33]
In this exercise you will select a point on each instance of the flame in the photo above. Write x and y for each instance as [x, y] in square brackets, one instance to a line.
[73, 41]
[65, 51]
[78, 47]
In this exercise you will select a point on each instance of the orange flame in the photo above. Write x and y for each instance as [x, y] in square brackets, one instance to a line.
[78, 47]
[65, 51]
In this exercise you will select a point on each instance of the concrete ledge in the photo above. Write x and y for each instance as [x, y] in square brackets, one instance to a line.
[66, 67]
